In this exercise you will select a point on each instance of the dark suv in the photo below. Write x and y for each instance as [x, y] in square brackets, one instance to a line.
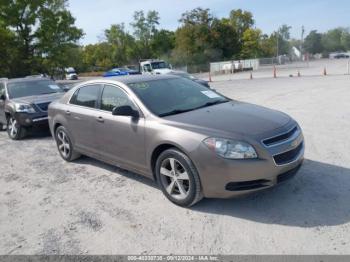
[24, 103]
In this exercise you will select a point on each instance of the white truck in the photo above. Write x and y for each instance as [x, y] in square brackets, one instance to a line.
[70, 74]
[155, 67]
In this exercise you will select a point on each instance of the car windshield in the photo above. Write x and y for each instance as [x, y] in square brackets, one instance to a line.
[32, 88]
[172, 96]
[185, 75]
[159, 65]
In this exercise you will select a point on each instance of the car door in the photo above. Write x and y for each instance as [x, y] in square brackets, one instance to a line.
[120, 138]
[2, 104]
[82, 117]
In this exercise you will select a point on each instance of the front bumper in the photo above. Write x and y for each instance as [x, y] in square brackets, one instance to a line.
[226, 178]
[32, 120]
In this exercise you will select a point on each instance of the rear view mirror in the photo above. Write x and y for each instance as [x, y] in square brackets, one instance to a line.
[125, 111]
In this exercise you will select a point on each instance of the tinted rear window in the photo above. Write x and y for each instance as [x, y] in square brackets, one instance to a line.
[86, 96]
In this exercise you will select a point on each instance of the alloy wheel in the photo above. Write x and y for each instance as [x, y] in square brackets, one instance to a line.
[13, 129]
[63, 143]
[175, 178]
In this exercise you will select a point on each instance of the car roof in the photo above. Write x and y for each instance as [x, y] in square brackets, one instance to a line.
[128, 79]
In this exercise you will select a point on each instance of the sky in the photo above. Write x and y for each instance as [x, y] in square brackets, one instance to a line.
[93, 16]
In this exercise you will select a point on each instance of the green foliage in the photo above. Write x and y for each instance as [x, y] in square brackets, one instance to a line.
[40, 36]
[251, 43]
[332, 40]
[122, 44]
[312, 43]
[241, 21]
[145, 27]
[43, 33]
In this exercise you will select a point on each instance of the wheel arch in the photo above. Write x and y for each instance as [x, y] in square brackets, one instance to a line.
[159, 149]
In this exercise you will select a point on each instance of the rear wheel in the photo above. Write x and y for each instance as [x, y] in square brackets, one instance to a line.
[64, 145]
[14, 129]
[178, 178]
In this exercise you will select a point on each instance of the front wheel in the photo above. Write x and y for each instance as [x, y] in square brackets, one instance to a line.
[64, 145]
[178, 178]
[14, 129]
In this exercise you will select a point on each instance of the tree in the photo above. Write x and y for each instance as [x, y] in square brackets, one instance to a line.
[163, 42]
[194, 43]
[42, 28]
[312, 42]
[9, 58]
[145, 27]
[251, 43]
[123, 44]
[57, 36]
[268, 46]
[345, 39]
[282, 37]
[21, 16]
[332, 40]
[225, 38]
[241, 21]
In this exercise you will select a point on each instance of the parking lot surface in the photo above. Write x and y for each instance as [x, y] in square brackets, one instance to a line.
[48, 206]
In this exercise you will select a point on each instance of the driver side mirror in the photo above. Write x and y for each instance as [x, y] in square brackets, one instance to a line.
[2, 97]
[125, 111]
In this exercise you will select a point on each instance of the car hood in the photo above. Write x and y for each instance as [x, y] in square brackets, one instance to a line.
[38, 99]
[232, 117]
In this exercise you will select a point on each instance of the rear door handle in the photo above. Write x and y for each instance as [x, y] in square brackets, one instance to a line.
[100, 119]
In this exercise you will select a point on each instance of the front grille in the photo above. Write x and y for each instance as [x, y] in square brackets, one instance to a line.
[280, 138]
[289, 156]
[247, 185]
[44, 106]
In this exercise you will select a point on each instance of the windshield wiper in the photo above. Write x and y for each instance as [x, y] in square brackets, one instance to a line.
[176, 111]
[179, 111]
[212, 103]
[48, 93]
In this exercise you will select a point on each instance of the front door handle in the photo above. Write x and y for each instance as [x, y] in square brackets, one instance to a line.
[68, 112]
[100, 119]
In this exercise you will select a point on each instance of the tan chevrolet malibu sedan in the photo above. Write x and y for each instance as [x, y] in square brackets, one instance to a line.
[193, 141]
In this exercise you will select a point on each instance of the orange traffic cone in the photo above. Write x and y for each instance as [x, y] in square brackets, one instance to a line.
[324, 71]
[274, 72]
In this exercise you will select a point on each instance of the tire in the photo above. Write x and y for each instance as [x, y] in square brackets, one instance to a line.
[64, 145]
[14, 130]
[178, 178]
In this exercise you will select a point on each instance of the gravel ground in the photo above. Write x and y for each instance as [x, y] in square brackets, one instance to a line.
[48, 206]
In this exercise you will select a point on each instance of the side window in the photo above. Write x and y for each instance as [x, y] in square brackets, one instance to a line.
[86, 96]
[147, 68]
[112, 97]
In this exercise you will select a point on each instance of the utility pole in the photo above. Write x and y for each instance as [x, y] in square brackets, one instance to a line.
[277, 37]
[302, 40]
[277, 43]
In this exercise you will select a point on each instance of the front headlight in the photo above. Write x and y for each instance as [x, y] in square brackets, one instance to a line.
[24, 108]
[230, 149]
